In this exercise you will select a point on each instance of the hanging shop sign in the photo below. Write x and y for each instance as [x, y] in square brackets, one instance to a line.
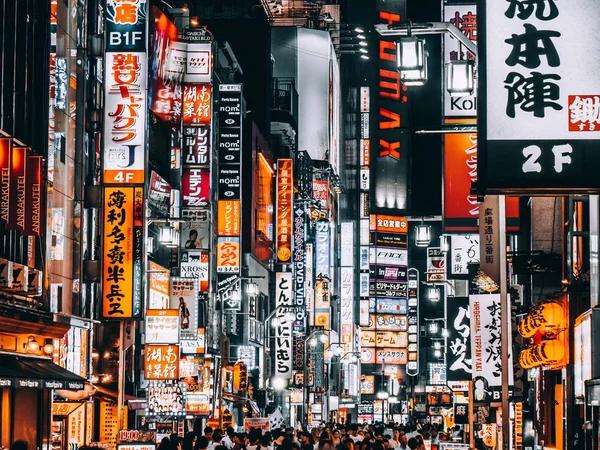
[122, 248]
[464, 250]
[389, 339]
[195, 264]
[230, 123]
[299, 259]
[18, 162]
[486, 352]
[228, 223]
[125, 25]
[321, 193]
[436, 265]
[195, 187]
[284, 337]
[322, 248]
[541, 97]
[388, 256]
[159, 195]
[161, 362]
[184, 299]
[229, 286]
[388, 306]
[228, 255]
[390, 224]
[166, 400]
[384, 239]
[387, 289]
[158, 286]
[5, 157]
[197, 104]
[388, 322]
[196, 146]
[229, 180]
[347, 297]
[412, 368]
[162, 326]
[367, 384]
[284, 210]
[383, 356]
[195, 229]
[458, 354]
[490, 239]
[198, 67]
[388, 273]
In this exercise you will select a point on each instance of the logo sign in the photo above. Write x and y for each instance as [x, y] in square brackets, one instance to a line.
[461, 209]
[385, 256]
[197, 104]
[486, 350]
[284, 338]
[230, 290]
[230, 144]
[198, 67]
[229, 182]
[230, 105]
[161, 363]
[464, 250]
[122, 248]
[284, 210]
[125, 25]
[436, 265]
[162, 326]
[388, 289]
[388, 239]
[412, 368]
[542, 97]
[228, 255]
[389, 306]
[458, 354]
[125, 117]
[463, 17]
[195, 186]
[388, 273]
[196, 146]
[322, 247]
[194, 265]
[184, 299]
[18, 162]
[388, 322]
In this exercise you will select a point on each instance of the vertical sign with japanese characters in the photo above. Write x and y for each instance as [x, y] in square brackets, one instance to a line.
[463, 17]
[161, 362]
[283, 336]
[464, 250]
[412, 366]
[284, 210]
[490, 237]
[122, 255]
[541, 96]
[486, 351]
[458, 355]
[300, 267]
[347, 284]
[125, 92]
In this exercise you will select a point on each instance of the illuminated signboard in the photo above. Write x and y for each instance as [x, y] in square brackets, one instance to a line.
[284, 210]
[18, 162]
[284, 337]
[161, 362]
[122, 249]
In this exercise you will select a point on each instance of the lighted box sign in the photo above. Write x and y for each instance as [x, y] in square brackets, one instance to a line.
[197, 104]
[194, 264]
[195, 186]
[388, 273]
[195, 231]
[283, 335]
[390, 339]
[16, 220]
[5, 158]
[184, 299]
[196, 146]
[122, 249]
[162, 326]
[161, 362]
[166, 400]
[388, 322]
[229, 218]
[284, 210]
[542, 96]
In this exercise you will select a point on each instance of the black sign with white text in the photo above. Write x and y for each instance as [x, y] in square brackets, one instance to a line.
[229, 182]
[458, 355]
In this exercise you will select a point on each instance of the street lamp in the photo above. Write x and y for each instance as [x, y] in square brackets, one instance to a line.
[460, 77]
[422, 234]
[445, 243]
[411, 54]
[433, 293]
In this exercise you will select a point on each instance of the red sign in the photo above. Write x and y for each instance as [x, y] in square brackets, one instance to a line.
[584, 113]
[195, 186]
[16, 221]
[461, 209]
[161, 362]
[321, 193]
[33, 196]
[197, 100]
[5, 157]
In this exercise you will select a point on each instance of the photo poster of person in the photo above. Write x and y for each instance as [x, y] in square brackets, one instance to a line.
[184, 298]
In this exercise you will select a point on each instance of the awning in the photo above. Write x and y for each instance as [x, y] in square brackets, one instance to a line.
[23, 371]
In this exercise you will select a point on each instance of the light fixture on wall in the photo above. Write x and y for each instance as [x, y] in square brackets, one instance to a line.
[445, 243]
[252, 289]
[32, 345]
[422, 234]
[48, 347]
[460, 76]
[433, 293]
[166, 235]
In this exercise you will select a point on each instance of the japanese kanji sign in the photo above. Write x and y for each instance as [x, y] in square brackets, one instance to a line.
[283, 336]
[197, 104]
[541, 96]
[161, 362]
[122, 249]
[285, 191]
[464, 249]
[486, 349]
[162, 326]
[458, 354]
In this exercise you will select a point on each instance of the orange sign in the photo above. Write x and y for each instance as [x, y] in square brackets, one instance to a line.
[322, 319]
[389, 339]
[159, 286]
[392, 224]
[16, 220]
[285, 192]
[197, 100]
[228, 255]
[33, 196]
[367, 384]
[229, 218]
[121, 287]
[5, 157]
[162, 362]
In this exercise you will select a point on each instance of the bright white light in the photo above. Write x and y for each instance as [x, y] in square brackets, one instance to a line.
[275, 322]
[279, 384]
[361, 36]
[290, 316]
[364, 56]
[437, 345]
[313, 342]
[445, 333]
[363, 50]
[363, 43]
[359, 30]
[437, 354]
[323, 338]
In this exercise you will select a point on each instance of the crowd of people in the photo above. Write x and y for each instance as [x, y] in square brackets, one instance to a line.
[326, 437]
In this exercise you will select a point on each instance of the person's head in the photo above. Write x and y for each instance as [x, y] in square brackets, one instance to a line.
[208, 432]
[216, 437]
[220, 447]
[202, 442]
[403, 439]
[336, 435]
[193, 235]
[265, 440]
[413, 443]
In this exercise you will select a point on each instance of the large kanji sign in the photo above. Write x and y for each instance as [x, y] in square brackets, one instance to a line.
[541, 96]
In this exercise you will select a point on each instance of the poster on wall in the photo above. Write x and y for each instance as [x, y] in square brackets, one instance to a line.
[184, 299]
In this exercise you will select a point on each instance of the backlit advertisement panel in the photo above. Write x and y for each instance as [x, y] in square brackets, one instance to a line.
[284, 210]
[195, 187]
[18, 165]
[284, 336]
[197, 104]
[34, 208]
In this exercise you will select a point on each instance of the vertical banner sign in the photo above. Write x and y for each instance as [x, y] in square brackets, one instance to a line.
[283, 337]
[347, 285]
[18, 164]
[464, 250]
[541, 111]
[485, 338]
[490, 237]
[125, 92]
[184, 298]
[322, 248]
[463, 17]
[5, 157]
[284, 210]
[300, 265]
[33, 196]
[310, 283]
[122, 239]
[412, 366]
[390, 159]
[458, 355]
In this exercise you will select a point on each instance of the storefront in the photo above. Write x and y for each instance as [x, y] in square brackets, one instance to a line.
[26, 386]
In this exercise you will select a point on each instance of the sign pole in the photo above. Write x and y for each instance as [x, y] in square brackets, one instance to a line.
[121, 379]
[505, 315]
[471, 416]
